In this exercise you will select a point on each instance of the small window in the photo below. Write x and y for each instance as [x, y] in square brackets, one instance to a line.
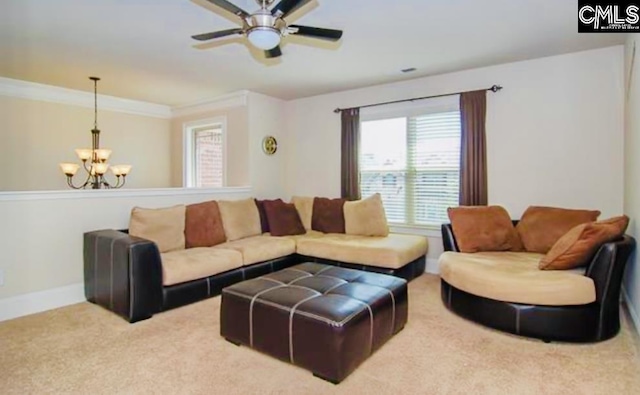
[205, 154]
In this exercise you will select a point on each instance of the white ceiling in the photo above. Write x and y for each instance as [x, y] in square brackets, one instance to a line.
[142, 48]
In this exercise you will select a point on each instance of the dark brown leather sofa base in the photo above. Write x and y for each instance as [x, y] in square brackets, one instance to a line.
[323, 318]
[123, 274]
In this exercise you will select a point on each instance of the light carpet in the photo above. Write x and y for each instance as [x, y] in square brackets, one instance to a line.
[84, 349]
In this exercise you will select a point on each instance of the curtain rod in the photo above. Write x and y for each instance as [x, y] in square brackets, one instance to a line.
[494, 89]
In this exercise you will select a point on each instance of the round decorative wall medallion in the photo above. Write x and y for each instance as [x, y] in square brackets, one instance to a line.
[269, 145]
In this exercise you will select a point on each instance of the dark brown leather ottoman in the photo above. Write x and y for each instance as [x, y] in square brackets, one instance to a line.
[323, 318]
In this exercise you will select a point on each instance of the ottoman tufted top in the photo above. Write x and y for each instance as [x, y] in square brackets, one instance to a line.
[323, 292]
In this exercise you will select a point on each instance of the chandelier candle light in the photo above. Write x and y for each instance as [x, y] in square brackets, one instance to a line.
[94, 159]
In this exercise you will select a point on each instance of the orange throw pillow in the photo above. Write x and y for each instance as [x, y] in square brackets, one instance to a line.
[483, 228]
[541, 227]
[578, 245]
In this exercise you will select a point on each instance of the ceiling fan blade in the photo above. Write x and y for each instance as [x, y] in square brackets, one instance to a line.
[273, 53]
[224, 4]
[286, 7]
[317, 32]
[218, 34]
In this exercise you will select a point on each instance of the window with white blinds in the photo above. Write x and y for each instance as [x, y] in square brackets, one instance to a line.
[204, 154]
[414, 163]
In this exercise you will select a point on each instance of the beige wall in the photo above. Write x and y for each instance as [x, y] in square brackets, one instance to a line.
[35, 136]
[554, 133]
[237, 144]
[266, 118]
[632, 171]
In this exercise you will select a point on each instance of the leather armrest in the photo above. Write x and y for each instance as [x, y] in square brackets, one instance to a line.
[123, 274]
[607, 268]
[448, 239]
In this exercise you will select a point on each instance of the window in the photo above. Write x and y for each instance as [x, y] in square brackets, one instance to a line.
[205, 154]
[413, 161]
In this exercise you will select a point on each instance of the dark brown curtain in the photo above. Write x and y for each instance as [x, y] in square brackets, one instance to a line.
[473, 151]
[350, 170]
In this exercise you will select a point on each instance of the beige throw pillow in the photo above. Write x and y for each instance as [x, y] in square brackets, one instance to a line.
[240, 218]
[366, 217]
[304, 205]
[163, 226]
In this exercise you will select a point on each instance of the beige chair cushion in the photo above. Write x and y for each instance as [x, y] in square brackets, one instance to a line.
[514, 277]
[163, 226]
[366, 217]
[261, 248]
[195, 263]
[304, 205]
[393, 251]
[240, 218]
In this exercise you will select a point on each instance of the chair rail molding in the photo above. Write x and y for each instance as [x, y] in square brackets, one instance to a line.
[55, 94]
[120, 193]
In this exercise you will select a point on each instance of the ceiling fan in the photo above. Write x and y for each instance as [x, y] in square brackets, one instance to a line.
[265, 28]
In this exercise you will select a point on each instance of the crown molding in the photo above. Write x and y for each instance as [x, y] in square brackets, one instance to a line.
[235, 99]
[54, 94]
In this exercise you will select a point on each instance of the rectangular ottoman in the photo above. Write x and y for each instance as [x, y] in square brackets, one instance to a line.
[323, 318]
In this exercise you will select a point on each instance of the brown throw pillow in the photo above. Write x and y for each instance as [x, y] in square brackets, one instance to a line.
[483, 228]
[541, 227]
[580, 243]
[264, 223]
[327, 215]
[203, 225]
[283, 218]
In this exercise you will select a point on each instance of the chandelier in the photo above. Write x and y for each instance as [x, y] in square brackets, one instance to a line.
[94, 159]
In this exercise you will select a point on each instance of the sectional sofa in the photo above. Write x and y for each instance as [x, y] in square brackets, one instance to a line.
[136, 277]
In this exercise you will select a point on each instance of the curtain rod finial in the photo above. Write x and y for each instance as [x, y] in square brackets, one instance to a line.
[337, 110]
[495, 88]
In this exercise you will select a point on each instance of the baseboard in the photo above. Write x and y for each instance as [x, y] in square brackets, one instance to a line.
[632, 310]
[36, 302]
[432, 266]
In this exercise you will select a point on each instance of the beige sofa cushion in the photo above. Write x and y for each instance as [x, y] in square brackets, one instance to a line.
[163, 226]
[514, 277]
[366, 217]
[240, 218]
[393, 251]
[194, 263]
[260, 248]
[304, 205]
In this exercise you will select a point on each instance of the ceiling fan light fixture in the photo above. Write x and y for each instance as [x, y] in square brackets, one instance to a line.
[264, 37]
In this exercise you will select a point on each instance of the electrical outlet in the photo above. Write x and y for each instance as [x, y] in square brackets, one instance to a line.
[1, 277]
